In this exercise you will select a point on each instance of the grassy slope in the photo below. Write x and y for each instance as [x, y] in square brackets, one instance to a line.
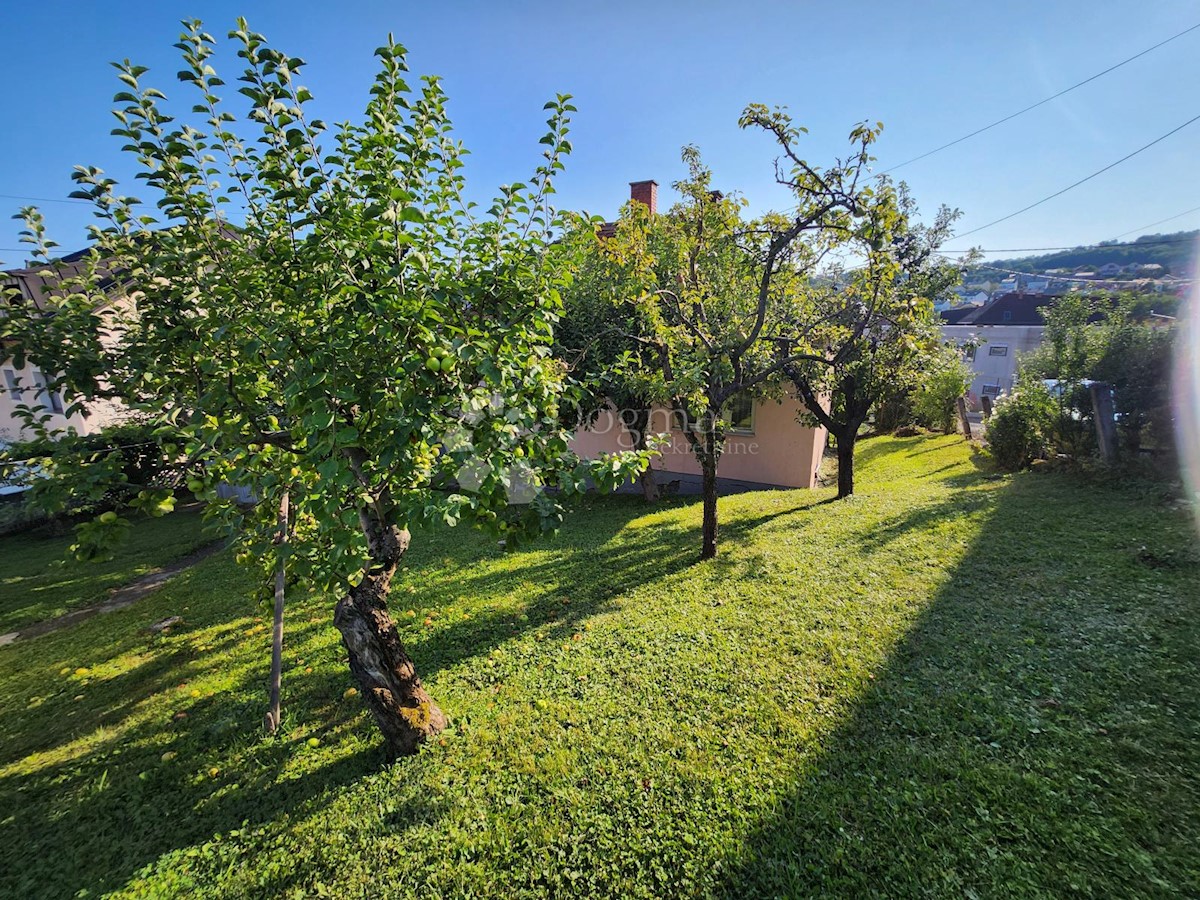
[38, 580]
[949, 685]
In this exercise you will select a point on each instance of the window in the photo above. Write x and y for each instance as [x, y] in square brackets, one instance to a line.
[55, 398]
[10, 381]
[991, 390]
[1008, 315]
[968, 352]
[998, 350]
[738, 415]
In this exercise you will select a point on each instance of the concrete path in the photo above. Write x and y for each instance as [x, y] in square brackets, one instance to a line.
[120, 598]
[692, 485]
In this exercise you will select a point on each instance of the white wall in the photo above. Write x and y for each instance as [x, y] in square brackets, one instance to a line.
[992, 370]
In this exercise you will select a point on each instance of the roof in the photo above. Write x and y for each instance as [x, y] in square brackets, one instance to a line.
[1007, 309]
[955, 316]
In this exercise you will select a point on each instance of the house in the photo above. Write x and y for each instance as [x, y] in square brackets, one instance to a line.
[766, 445]
[27, 385]
[1010, 325]
[961, 296]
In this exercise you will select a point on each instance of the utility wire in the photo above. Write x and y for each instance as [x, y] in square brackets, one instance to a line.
[1022, 112]
[44, 199]
[959, 140]
[1087, 178]
[1101, 246]
[1035, 275]
[1159, 222]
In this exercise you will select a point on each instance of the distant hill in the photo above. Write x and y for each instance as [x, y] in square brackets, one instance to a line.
[1171, 251]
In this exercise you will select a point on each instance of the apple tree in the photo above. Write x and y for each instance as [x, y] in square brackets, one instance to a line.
[717, 295]
[322, 312]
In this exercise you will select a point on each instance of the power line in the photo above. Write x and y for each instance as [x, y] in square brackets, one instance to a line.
[1077, 247]
[1022, 112]
[1091, 281]
[1087, 178]
[1159, 222]
[1056, 278]
[945, 146]
[44, 199]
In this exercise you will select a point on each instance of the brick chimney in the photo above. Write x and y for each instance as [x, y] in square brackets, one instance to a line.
[645, 192]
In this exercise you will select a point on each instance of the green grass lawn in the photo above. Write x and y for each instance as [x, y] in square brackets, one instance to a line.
[39, 580]
[951, 685]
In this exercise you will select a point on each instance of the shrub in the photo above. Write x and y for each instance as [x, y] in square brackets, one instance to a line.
[948, 379]
[1021, 425]
[1136, 361]
[138, 456]
[16, 516]
[894, 412]
[1106, 339]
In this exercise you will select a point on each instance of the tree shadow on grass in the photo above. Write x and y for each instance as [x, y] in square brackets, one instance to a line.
[120, 805]
[627, 545]
[1035, 732]
[173, 780]
[131, 806]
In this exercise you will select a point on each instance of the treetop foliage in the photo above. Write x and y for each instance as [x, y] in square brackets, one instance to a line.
[364, 338]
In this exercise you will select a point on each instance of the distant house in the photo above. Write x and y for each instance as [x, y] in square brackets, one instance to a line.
[1011, 324]
[1110, 269]
[961, 296]
[765, 446]
[27, 385]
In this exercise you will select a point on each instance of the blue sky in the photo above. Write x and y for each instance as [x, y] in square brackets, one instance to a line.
[650, 77]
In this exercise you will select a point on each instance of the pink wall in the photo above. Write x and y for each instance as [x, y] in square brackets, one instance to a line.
[780, 451]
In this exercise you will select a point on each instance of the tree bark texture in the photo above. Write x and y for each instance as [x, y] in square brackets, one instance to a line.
[708, 548]
[845, 456]
[404, 712]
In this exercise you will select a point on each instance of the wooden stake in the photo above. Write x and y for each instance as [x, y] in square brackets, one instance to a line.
[272, 721]
[962, 415]
[1106, 421]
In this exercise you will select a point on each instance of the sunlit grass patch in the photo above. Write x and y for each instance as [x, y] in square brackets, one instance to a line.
[953, 683]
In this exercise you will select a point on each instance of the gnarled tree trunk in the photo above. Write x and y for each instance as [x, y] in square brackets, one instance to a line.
[404, 712]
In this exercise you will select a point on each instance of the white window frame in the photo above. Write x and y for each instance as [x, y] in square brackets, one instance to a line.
[997, 349]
